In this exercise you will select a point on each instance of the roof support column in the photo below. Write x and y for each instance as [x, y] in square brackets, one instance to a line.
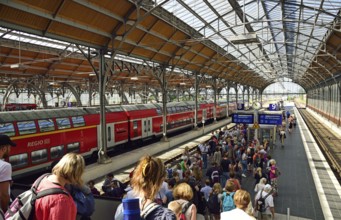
[261, 97]
[215, 99]
[196, 88]
[243, 94]
[236, 89]
[164, 102]
[74, 92]
[248, 96]
[227, 98]
[102, 152]
[90, 93]
[339, 108]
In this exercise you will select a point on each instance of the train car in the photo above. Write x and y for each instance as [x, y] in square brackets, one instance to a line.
[179, 116]
[144, 121]
[43, 136]
[20, 106]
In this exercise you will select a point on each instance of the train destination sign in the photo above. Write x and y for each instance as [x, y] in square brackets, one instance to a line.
[242, 118]
[270, 119]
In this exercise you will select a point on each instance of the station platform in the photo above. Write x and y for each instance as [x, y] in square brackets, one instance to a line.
[123, 164]
[308, 189]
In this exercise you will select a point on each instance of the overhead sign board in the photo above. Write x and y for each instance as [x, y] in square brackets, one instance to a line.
[242, 118]
[270, 119]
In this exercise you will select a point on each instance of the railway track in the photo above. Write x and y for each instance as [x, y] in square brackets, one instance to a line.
[327, 141]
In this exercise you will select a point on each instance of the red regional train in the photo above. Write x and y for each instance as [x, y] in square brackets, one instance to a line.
[43, 136]
[20, 106]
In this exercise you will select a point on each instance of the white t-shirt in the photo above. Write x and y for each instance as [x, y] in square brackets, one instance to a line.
[5, 171]
[269, 201]
[235, 214]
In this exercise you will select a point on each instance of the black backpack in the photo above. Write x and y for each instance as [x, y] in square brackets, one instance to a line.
[213, 204]
[260, 205]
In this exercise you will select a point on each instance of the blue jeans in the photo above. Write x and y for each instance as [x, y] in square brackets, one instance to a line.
[204, 159]
[224, 177]
[244, 166]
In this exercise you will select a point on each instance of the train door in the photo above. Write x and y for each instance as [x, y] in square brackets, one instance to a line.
[147, 127]
[110, 135]
[204, 115]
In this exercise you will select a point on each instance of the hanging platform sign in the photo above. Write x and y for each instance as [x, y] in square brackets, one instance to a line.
[242, 118]
[270, 119]
[273, 107]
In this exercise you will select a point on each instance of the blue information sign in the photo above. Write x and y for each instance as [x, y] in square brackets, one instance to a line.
[245, 119]
[273, 107]
[270, 119]
[240, 106]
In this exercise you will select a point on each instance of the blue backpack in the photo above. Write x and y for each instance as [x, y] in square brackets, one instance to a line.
[169, 173]
[85, 202]
[228, 203]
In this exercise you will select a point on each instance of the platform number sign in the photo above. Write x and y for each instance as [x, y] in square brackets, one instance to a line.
[240, 106]
[272, 107]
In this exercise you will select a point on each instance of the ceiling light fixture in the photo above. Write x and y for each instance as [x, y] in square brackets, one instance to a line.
[134, 78]
[246, 38]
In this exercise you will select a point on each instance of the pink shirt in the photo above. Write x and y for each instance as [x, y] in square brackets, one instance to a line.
[272, 170]
[54, 207]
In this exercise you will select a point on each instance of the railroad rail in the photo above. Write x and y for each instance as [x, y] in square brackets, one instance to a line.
[328, 142]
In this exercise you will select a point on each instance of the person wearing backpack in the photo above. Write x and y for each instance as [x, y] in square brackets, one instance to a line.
[5, 171]
[242, 199]
[214, 202]
[183, 194]
[264, 204]
[227, 198]
[146, 182]
[273, 175]
[68, 170]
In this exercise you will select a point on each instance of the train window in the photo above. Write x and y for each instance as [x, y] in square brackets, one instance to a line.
[109, 133]
[26, 127]
[159, 111]
[135, 125]
[39, 156]
[57, 151]
[19, 160]
[63, 123]
[8, 129]
[46, 125]
[78, 121]
[74, 147]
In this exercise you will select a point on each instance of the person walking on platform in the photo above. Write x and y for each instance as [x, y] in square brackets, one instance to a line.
[225, 165]
[282, 136]
[266, 210]
[204, 148]
[241, 199]
[5, 171]
[183, 194]
[274, 173]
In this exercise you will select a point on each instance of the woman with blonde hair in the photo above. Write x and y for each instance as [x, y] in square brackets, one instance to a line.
[274, 173]
[68, 170]
[146, 182]
[183, 194]
[242, 200]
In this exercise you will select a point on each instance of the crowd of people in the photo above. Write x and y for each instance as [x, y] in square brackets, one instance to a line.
[208, 184]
